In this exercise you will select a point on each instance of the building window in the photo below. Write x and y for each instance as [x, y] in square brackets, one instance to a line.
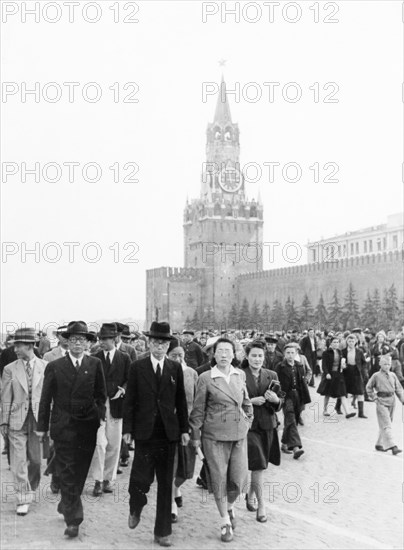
[344, 250]
[370, 246]
[384, 243]
[339, 251]
[357, 248]
[314, 255]
[365, 246]
[352, 248]
[379, 245]
[395, 241]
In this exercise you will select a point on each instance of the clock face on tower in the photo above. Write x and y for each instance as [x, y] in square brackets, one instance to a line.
[230, 179]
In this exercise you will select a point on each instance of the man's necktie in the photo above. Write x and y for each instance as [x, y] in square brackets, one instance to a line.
[28, 370]
[77, 365]
[158, 374]
[108, 360]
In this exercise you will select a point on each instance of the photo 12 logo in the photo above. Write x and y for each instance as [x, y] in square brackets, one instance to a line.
[69, 12]
[270, 12]
[69, 92]
[68, 171]
[271, 92]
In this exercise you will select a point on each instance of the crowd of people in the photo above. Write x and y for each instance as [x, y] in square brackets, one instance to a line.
[90, 400]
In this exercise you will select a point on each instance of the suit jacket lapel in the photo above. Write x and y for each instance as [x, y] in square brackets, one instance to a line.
[21, 375]
[37, 374]
[250, 382]
[226, 388]
[150, 375]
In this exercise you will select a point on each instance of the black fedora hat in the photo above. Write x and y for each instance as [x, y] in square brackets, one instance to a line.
[77, 328]
[108, 330]
[271, 339]
[159, 330]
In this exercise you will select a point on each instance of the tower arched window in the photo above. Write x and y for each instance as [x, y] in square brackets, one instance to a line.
[217, 209]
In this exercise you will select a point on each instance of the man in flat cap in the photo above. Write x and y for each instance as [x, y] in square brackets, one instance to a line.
[272, 356]
[194, 356]
[156, 417]
[20, 395]
[73, 403]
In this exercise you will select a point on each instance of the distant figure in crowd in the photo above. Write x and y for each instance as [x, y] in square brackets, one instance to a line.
[295, 387]
[382, 387]
[194, 356]
[61, 349]
[355, 372]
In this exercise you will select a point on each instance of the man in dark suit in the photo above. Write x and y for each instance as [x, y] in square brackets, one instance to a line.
[115, 364]
[74, 388]
[156, 417]
[272, 355]
[308, 345]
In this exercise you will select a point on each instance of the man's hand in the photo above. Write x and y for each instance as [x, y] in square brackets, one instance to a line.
[4, 430]
[119, 393]
[41, 436]
[127, 438]
[185, 439]
[328, 376]
[195, 443]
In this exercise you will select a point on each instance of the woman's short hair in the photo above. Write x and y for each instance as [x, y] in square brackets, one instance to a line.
[254, 344]
[224, 341]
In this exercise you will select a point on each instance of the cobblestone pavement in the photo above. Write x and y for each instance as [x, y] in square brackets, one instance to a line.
[340, 494]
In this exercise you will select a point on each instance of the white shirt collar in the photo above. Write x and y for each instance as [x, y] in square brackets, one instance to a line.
[111, 354]
[216, 373]
[119, 344]
[155, 361]
[75, 359]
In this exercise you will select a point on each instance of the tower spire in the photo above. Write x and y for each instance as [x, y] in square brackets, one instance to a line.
[222, 113]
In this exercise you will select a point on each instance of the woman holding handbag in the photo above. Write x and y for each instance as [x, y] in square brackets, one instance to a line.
[263, 442]
[220, 420]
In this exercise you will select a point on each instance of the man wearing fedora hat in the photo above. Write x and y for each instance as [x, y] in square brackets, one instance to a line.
[122, 346]
[116, 364]
[20, 396]
[73, 404]
[156, 417]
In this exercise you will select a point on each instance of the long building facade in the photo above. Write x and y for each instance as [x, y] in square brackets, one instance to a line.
[223, 243]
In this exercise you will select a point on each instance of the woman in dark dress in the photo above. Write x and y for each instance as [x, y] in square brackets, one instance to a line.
[379, 348]
[332, 381]
[263, 442]
[354, 372]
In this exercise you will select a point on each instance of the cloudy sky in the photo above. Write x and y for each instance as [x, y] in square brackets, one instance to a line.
[151, 117]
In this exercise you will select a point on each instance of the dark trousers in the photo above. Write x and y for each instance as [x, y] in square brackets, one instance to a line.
[73, 459]
[291, 412]
[124, 450]
[153, 457]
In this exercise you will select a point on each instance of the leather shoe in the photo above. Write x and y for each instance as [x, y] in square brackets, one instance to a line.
[119, 471]
[178, 501]
[72, 531]
[54, 487]
[124, 462]
[226, 533]
[379, 448]
[350, 415]
[133, 520]
[285, 449]
[261, 519]
[22, 509]
[107, 487]
[395, 450]
[298, 453]
[201, 483]
[97, 491]
[163, 541]
[174, 518]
